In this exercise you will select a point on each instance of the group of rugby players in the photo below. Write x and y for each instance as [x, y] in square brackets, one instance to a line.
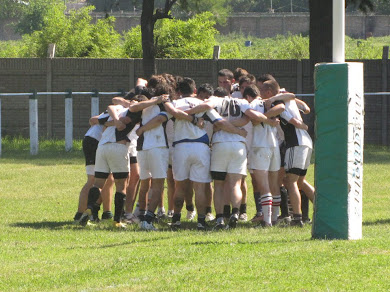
[165, 128]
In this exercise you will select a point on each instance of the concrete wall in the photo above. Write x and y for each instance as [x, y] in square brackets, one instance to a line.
[25, 75]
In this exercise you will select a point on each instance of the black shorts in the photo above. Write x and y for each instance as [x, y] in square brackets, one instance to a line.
[89, 148]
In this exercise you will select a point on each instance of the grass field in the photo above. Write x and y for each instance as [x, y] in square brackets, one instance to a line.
[41, 250]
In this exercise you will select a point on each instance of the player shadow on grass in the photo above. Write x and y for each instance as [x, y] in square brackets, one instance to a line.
[54, 225]
[377, 222]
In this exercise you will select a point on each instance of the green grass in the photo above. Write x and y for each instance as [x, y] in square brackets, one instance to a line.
[41, 250]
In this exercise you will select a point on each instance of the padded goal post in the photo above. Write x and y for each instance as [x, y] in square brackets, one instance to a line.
[339, 106]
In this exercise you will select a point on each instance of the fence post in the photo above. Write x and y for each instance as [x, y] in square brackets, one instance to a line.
[216, 53]
[33, 118]
[49, 107]
[385, 57]
[68, 121]
[95, 103]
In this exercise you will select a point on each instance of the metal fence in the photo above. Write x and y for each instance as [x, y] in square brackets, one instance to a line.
[33, 112]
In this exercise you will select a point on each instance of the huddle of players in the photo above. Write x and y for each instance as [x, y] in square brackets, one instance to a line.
[215, 134]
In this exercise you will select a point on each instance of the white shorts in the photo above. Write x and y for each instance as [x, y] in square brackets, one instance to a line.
[153, 163]
[112, 157]
[90, 169]
[133, 150]
[265, 158]
[229, 157]
[297, 160]
[191, 161]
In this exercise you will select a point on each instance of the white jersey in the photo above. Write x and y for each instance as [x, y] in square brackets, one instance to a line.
[294, 136]
[237, 94]
[110, 135]
[96, 131]
[230, 109]
[155, 137]
[186, 131]
[264, 135]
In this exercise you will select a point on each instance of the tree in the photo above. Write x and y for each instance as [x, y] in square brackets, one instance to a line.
[148, 20]
[150, 16]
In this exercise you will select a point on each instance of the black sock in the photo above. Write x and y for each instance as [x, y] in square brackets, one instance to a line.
[190, 207]
[283, 202]
[202, 219]
[297, 217]
[304, 205]
[149, 217]
[95, 211]
[243, 208]
[257, 197]
[107, 215]
[208, 210]
[141, 215]
[119, 203]
[235, 211]
[93, 196]
[226, 211]
[176, 217]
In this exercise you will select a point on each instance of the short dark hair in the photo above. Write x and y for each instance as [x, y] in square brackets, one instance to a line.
[186, 86]
[220, 92]
[225, 72]
[265, 77]
[252, 91]
[206, 87]
[239, 72]
[244, 79]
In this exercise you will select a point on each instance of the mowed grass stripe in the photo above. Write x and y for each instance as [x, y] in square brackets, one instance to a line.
[41, 250]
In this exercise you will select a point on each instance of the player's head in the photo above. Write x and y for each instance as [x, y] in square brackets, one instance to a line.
[269, 88]
[220, 92]
[243, 83]
[158, 85]
[204, 91]
[251, 92]
[186, 87]
[239, 72]
[262, 78]
[226, 79]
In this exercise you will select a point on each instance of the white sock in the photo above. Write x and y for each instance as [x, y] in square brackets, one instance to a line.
[266, 204]
[275, 207]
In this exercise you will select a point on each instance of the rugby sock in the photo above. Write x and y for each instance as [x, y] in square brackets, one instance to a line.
[235, 211]
[284, 202]
[208, 210]
[93, 196]
[266, 204]
[304, 205]
[190, 208]
[202, 219]
[141, 215]
[176, 217]
[275, 208]
[243, 208]
[149, 217]
[119, 203]
[226, 211]
[107, 215]
[257, 197]
[95, 211]
[297, 217]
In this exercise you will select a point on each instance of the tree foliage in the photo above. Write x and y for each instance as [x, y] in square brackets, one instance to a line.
[74, 35]
[176, 38]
